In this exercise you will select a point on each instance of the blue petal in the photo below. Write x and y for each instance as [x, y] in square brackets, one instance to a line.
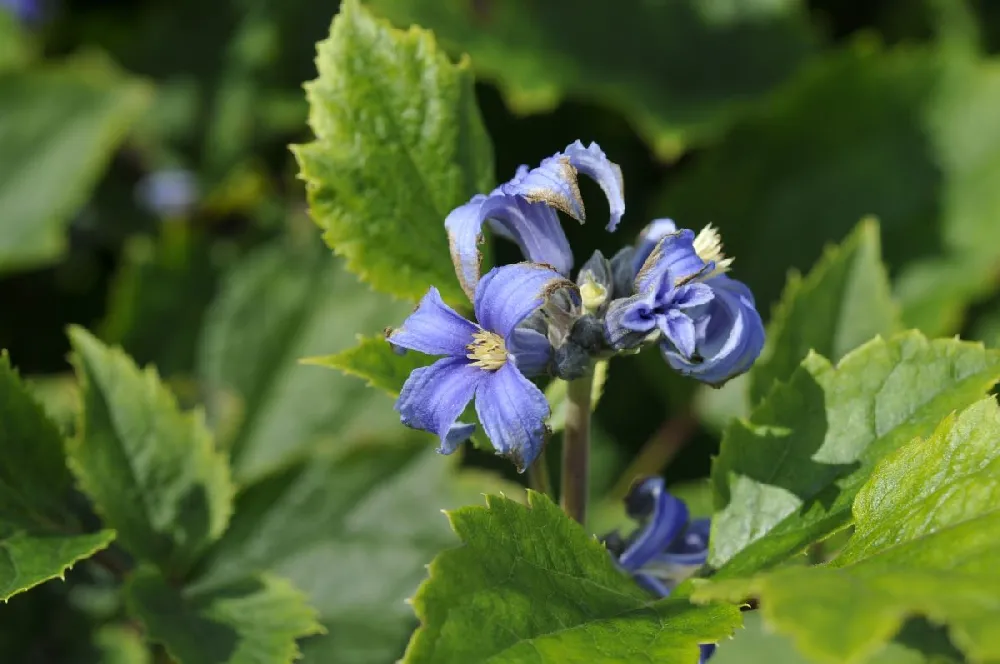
[670, 514]
[592, 162]
[678, 330]
[673, 260]
[648, 239]
[688, 296]
[433, 397]
[434, 328]
[732, 337]
[464, 225]
[629, 320]
[652, 584]
[707, 650]
[530, 350]
[513, 412]
[506, 295]
[534, 227]
[553, 183]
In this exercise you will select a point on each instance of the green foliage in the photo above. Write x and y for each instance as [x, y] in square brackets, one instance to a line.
[530, 585]
[374, 361]
[909, 135]
[641, 61]
[787, 476]
[372, 508]
[59, 126]
[926, 542]
[39, 536]
[245, 622]
[14, 50]
[151, 470]
[844, 301]
[283, 302]
[399, 144]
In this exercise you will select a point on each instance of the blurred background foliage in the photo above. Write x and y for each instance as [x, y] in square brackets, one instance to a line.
[147, 193]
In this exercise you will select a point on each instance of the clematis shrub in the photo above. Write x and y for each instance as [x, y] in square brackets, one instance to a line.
[626, 382]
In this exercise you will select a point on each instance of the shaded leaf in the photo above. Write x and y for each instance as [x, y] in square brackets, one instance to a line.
[251, 621]
[399, 144]
[926, 542]
[909, 135]
[151, 469]
[844, 301]
[533, 586]
[39, 537]
[59, 127]
[787, 476]
[637, 57]
[374, 361]
[372, 508]
[282, 303]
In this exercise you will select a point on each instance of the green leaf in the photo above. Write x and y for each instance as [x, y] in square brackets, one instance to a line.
[926, 542]
[151, 470]
[39, 538]
[166, 283]
[787, 476]
[121, 644]
[540, 52]
[533, 586]
[59, 127]
[282, 303]
[14, 51]
[844, 301]
[399, 144]
[909, 135]
[374, 508]
[374, 361]
[250, 621]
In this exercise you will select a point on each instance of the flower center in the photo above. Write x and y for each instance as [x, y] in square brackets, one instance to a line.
[487, 350]
[593, 294]
[708, 246]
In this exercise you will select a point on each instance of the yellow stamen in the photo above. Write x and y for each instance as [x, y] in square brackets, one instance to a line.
[487, 350]
[708, 246]
[593, 294]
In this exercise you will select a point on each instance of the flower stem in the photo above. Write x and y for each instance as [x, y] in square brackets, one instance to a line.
[658, 451]
[539, 477]
[576, 448]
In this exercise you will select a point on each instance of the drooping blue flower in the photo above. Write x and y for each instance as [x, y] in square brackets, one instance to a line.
[488, 361]
[524, 210]
[707, 323]
[667, 547]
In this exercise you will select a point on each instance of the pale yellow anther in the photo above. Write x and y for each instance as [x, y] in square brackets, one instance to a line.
[487, 350]
[592, 294]
[708, 246]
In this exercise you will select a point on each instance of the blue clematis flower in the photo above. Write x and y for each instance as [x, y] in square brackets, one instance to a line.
[489, 361]
[667, 548]
[524, 210]
[707, 323]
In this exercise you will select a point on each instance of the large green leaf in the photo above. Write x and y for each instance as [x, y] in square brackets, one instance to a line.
[151, 469]
[532, 586]
[678, 70]
[280, 304]
[910, 135]
[374, 509]
[39, 538]
[251, 621]
[788, 475]
[844, 301]
[58, 127]
[926, 542]
[399, 144]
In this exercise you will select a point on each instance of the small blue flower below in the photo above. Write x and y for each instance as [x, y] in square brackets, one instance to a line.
[488, 361]
[667, 548]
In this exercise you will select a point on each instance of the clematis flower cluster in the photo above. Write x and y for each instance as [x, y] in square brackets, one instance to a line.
[667, 548]
[533, 319]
